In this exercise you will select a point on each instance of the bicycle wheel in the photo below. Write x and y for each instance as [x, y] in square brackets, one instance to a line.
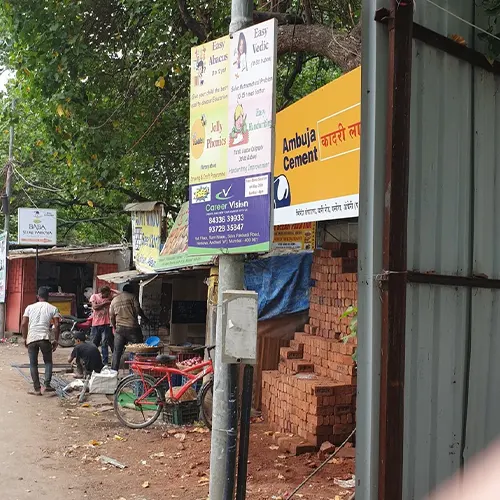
[205, 402]
[131, 412]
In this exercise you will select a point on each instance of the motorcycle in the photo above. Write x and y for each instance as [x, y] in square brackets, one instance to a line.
[70, 325]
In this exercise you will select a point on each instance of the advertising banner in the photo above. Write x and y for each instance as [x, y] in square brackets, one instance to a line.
[146, 238]
[301, 236]
[230, 170]
[316, 173]
[3, 265]
[174, 254]
[36, 226]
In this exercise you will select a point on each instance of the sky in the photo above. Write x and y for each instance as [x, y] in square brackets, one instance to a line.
[3, 79]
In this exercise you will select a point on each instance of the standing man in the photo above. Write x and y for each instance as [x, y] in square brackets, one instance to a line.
[124, 314]
[101, 326]
[35, 327]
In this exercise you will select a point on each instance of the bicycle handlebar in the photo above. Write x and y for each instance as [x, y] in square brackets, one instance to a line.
[202, 348]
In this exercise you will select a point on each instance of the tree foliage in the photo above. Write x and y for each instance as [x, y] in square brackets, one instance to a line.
[101, 91]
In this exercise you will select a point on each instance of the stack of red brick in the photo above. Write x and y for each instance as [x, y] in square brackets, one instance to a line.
[312, 395]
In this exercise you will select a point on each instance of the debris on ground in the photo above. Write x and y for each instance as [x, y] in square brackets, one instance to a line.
[112, 461]
[349, 483]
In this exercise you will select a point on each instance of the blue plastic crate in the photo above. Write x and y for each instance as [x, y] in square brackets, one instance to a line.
[196, 386]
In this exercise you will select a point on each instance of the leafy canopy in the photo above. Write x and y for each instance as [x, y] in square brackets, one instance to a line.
[101, 92]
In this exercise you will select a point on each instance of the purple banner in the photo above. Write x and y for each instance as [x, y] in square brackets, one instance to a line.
[231, 214]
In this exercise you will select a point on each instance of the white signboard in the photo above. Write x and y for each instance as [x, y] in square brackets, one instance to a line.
[37, 226]
[3, 265]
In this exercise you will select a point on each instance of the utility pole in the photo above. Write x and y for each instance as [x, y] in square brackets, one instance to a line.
[225, 397]
[6, 211]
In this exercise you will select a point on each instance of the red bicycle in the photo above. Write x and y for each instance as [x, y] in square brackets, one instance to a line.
[141, 397]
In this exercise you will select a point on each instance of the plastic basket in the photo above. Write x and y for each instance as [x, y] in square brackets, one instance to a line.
[184, 413]
[196, 386]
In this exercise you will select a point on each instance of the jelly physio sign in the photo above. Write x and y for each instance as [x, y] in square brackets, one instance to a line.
[317, 154]
[232, 142]
[37, 226]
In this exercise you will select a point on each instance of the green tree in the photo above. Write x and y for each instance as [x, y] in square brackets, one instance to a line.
[102, 89]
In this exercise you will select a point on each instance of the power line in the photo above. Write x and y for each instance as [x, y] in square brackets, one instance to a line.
[49, 189]
[155, 120]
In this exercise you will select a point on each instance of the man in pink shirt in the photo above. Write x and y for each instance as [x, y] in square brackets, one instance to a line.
[101, 324]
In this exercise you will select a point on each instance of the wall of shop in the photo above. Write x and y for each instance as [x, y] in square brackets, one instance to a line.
[187, 289]
[345, 231]
[21, 291]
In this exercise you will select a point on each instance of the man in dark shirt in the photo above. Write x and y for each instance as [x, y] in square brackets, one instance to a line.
[87, 355]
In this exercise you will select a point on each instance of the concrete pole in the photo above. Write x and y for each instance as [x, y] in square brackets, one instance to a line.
[6, 211]
[225, 397]
[224, 425]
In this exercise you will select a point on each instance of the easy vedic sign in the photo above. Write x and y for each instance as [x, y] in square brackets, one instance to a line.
[316, 173]
[232, 142]
[37, 227]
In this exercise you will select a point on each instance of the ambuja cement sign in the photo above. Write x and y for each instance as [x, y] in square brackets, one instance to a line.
[37, 226]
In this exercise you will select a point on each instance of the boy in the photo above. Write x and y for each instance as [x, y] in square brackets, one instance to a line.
[88, 358]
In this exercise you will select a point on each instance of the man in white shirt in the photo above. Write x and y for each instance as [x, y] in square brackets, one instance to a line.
[35, 327]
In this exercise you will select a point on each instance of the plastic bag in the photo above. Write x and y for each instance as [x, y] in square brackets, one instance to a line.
[104, 382]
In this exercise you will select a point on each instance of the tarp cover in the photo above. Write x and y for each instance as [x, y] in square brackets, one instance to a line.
[282, 283]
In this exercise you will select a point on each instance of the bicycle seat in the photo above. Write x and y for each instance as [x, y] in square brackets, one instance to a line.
[165, 359]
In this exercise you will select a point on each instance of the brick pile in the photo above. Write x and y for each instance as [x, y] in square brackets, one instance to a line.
[312, 395]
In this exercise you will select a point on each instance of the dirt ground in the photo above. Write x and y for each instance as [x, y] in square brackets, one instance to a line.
[50, 449]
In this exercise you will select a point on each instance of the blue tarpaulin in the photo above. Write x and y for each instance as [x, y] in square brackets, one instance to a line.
[282, 282]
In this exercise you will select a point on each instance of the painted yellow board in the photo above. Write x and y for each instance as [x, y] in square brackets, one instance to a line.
[316, 174]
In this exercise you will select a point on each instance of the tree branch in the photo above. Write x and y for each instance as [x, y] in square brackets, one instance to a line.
[192, 24]
[344, 49]
[308, 13]
[297, 68]
[283, 18]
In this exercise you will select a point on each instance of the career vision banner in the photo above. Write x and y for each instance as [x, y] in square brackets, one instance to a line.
[232, 142]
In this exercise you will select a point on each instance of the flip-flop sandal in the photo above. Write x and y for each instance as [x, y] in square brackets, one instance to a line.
[49, 389]
[35, 393]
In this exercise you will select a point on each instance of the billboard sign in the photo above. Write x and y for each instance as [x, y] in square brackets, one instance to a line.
[316, 174]
[232, 142]
[146, 238]
[37, 227]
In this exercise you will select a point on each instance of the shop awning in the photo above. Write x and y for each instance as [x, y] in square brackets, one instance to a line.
[124, 276]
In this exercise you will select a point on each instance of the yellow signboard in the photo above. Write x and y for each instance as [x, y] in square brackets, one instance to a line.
[146, 238]
[301, 236]
[209, 116]
[316, 173]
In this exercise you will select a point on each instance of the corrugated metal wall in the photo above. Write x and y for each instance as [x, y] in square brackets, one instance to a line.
[452, 408]
[452, 351]
[439, 240]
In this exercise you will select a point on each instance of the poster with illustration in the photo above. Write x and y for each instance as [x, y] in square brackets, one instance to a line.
[251, 100]
[230, 210]
[208, 115]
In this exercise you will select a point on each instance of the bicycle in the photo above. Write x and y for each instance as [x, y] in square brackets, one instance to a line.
[143, 395]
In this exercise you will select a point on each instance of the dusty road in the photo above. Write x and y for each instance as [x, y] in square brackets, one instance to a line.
[51, 449]
[28, 437]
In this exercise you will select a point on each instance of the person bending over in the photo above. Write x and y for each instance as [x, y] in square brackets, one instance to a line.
[87, 356]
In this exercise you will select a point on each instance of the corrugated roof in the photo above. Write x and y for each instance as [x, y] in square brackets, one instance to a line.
[146, 206]
[24, 253]
[124, 276]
